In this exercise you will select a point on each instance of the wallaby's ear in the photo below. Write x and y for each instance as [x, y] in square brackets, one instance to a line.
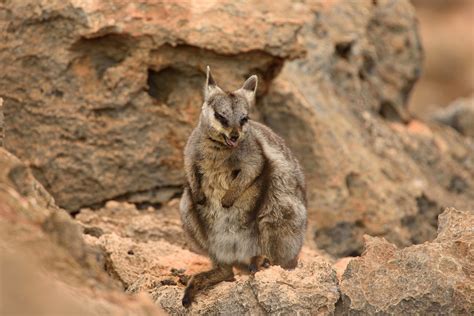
[249, 89]
[210, 85]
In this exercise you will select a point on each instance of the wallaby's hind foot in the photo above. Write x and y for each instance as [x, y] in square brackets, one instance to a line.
[204, 280]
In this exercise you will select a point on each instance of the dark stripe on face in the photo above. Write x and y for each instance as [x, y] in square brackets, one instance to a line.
[219, 145]
[233, 101]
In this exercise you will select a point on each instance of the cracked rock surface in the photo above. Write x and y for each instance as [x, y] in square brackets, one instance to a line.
[431, 278]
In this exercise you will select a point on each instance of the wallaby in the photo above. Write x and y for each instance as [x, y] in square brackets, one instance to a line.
[244, 203]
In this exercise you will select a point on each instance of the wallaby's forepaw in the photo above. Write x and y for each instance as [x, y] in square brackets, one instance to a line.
[258, 263]
[227, 201]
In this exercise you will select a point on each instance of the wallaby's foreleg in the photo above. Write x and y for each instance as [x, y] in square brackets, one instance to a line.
[242, 179]
[205, 280]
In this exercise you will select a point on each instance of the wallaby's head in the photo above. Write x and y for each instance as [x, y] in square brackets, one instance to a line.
[225, 115]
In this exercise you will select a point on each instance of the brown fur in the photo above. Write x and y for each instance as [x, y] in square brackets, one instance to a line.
[245, 200]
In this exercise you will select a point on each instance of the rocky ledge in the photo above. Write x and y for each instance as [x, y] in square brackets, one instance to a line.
[99, 255]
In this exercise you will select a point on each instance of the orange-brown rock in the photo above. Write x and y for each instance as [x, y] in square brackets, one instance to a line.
[46, 267]
[370, 167]
[432, 278]
[100, 97]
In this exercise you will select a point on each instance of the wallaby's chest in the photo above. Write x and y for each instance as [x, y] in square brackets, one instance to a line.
[231, 238]
[217, 176]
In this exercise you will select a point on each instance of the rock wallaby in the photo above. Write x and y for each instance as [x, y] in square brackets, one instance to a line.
[244, 203]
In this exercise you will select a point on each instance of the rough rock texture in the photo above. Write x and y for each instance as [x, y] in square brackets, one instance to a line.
[57, 265]
[432, 278]
[371, 168]
[126, 220]
[100, 97]
[459, 115]
[2, 122]
[435, 277]
[46, 267]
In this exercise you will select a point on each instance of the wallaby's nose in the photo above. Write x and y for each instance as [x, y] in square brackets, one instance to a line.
[234, 135]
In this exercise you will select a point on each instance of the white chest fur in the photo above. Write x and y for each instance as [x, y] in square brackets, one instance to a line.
[230, 238]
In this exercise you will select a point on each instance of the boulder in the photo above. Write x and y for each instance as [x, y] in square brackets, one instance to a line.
[431, 278]
[162, 269]
[155, 259]
[47, 268]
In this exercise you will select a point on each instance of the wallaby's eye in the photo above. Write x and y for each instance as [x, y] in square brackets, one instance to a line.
[244, 120]
[221, 119]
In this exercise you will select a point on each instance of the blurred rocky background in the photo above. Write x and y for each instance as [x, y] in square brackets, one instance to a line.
[374, 97]
[447, 33]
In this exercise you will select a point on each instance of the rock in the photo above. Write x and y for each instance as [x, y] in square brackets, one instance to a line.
[459, 115]
[27, 291]
[432, 278]
[370, 167]
[114, 88]
[143, 254]
[47, 268]
[41, 209]
[19, 182]
[341, 265]
[143, 265]
[2, 123]
[310, 289]
[125, 220]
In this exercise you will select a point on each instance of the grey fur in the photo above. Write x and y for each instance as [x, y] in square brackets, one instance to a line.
[244, 199]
